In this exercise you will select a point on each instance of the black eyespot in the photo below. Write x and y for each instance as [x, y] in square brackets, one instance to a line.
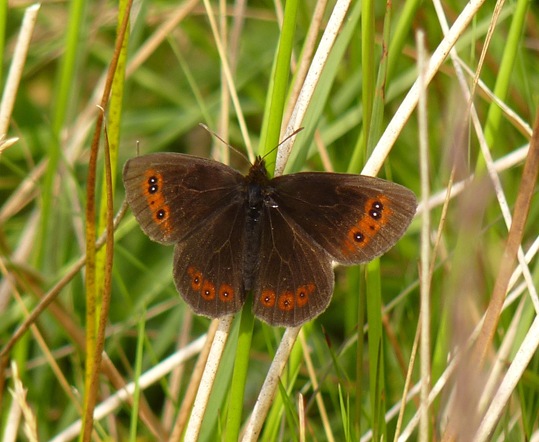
[376, 210]
[161, 214]
[375, 214]
[359, 237]
[152, 184]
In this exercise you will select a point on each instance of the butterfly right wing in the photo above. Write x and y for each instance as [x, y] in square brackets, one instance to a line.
[354, 218]
[312, 219]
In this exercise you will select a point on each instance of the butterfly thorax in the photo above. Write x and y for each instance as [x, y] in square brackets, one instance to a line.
[257, 181]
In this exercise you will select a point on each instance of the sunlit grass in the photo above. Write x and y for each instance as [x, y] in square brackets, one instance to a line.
[362, 347]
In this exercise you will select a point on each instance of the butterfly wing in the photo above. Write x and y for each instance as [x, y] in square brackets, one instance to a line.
[354, 218]
[172, 194]
[209, 266]
[316, 218]
[294, 280]
[196, 204]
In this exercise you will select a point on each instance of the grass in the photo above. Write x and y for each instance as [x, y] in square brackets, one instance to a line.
[368, 366]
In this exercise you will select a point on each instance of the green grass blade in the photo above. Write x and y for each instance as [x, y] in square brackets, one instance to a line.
[239, 377]
[278, 88]
[136, 375]
[66, 84]
[376, 350]
[506, 70]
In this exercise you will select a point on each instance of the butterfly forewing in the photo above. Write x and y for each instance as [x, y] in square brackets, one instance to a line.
[172, 194]
[354, 218]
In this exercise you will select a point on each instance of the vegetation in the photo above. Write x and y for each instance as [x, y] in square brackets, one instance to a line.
[435, 340]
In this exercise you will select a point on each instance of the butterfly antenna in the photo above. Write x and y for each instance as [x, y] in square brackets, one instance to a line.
[224, 142]
[293, 134]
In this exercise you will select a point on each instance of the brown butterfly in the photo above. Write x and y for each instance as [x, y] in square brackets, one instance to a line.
[276, 237]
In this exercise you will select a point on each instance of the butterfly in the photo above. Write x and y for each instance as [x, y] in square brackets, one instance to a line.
[275, 237]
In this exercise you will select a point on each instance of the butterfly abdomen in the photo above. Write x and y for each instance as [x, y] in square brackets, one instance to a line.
[253, 212]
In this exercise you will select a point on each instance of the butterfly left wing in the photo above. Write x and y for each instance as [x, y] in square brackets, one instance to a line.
[172, 194]
[197, 204]
[209, 266]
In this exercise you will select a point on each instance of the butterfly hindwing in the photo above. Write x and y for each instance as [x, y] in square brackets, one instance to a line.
[294, 280]
[209, 266]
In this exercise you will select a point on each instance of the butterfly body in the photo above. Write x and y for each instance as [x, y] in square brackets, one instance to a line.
[276, 237]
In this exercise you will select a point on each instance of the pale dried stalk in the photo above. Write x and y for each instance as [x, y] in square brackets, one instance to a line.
[208, 378]
[152, 376]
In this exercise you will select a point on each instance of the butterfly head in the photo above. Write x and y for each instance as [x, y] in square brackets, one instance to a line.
[258, 174]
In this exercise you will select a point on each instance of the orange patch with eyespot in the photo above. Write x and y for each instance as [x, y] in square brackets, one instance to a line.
[208, 290]
[226, 293]
[286, 301]
[302, 294]
[152, 189]
[268, 298]
[376, 215]
[196, 278]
